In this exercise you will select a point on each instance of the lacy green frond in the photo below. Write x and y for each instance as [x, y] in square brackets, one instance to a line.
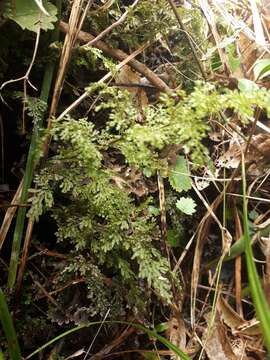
[92, 212]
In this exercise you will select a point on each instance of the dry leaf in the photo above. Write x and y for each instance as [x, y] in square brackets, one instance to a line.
[176, 333]
[248, 53]
[202, 182]
[257, 156]
[132, 181]
[235, 322]
[127, 76]
[76, 354]
[215, 136]
[231, 158]
[217, 344]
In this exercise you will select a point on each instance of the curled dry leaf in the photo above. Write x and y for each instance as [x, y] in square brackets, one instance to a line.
[235, 322]
[231, 158]
[130, 78]
[202, 182]
[76, 354]
[215, 136]
[132, 181]
[217, 343]
[257, 156]
[176, 333]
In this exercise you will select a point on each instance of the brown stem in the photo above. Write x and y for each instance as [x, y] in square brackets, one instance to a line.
[112, 26]
[121, 55]
[188, 37]
[238, 264]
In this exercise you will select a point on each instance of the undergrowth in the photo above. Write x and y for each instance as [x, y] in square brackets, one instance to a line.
[111, 161]
[79, 186]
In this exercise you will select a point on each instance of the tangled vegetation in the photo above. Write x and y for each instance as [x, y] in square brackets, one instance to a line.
[112, 191]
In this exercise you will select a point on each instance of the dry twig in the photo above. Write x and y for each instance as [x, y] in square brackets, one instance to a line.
[121, 55]
[112, 26]
[9, 215]
[105, 78]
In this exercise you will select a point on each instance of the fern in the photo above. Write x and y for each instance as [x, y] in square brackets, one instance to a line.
[95, 215]
[158, 19]
[99, 216]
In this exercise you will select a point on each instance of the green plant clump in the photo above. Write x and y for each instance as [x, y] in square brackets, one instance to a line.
[92, 213]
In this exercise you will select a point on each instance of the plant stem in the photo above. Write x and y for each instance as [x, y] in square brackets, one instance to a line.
[188, 37]
[151, 333]
[7, 324]
[30, 164]
[258, 296]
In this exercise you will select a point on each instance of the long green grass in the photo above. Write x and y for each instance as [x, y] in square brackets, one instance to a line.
[140, 327]
[10, 333]
[30, 165]
[257, 293]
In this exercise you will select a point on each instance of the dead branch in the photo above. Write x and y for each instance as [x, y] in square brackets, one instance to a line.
[112, 26]
[121, 55]
[188, 37]
[105, 78]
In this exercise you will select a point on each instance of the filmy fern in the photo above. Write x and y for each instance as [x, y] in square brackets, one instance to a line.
[97, 215]
[94, 214]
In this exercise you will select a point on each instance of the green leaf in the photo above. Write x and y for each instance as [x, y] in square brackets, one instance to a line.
[186, 205]
[151, 356]
[42, 8]
[253, 215]
[179, 177]
[247, 86]
[8, 327]
[173, 238]
[261, 69]
[147, 172]
[224, 44]
[153, 210]
[236, 249]
[234, 62]
[161, 327]
[257, 291]
[28, 15]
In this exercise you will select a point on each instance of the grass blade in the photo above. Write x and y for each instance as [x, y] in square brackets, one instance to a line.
[7, 324]
[257, 293]
[30, 164]
[140, 327]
